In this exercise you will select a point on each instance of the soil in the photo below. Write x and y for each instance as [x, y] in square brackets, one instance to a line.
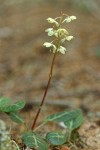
[25, 64]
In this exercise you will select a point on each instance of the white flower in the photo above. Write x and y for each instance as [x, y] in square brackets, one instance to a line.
[69, 38]
[61, 32]
[73, 17]
[47, 44]
[69, 19]
[56, 34]
[51, 20]
[63, 40]
[62, 49]
[50, 31]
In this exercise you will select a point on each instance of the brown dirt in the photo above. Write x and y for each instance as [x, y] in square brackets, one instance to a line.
[25, 63]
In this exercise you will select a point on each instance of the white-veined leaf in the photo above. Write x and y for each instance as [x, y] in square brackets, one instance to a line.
[56, 138]
[14, 107]
[75, 122]
[32, 140]
[63, 116]
[15, 116]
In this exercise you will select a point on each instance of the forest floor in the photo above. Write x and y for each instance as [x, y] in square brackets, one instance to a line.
[25, 64]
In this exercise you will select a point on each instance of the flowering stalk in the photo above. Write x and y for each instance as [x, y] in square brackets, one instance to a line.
[45, 93]
[61, 35]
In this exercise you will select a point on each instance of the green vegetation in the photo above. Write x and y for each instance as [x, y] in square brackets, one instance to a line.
[71, 120]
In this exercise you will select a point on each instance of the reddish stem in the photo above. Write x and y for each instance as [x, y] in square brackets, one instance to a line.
[45, 93]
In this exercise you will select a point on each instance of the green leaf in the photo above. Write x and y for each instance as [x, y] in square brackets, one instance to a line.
[63, 116]
[14, 107]
[16, 117]
[75, 122]
[32, 140]
[56, 138]
[4, 102]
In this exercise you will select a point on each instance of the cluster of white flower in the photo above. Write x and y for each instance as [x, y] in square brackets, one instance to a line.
[61, 35]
